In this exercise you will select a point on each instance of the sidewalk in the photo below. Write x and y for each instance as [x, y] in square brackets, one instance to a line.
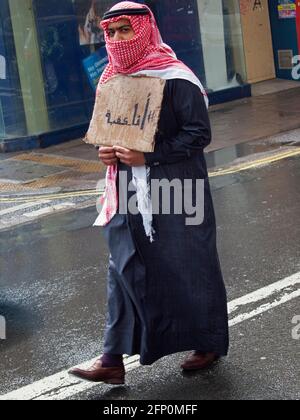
[75, 166]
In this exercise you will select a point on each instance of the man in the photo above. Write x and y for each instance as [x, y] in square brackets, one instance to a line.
[165, 288]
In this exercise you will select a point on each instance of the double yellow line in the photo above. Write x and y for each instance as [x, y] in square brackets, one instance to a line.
[93, 193]
[255, 163]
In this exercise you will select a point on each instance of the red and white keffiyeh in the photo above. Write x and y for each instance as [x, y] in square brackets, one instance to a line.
[144, 54]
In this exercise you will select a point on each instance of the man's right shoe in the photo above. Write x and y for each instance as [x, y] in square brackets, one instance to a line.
[97, 373]
[198, 361]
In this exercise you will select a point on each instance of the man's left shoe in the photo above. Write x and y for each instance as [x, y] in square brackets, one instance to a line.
[198, 361]
[97, 373]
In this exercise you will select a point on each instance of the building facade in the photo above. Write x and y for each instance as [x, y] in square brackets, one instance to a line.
[52, 54]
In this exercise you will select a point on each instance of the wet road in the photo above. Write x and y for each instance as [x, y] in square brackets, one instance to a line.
[52, 295]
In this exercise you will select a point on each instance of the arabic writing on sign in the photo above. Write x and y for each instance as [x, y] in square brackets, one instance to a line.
[137, 118]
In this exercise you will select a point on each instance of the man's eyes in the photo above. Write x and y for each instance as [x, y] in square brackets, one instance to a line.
[111, 33]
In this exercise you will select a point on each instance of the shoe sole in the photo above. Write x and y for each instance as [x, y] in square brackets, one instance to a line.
[107, 381]
[189, 369]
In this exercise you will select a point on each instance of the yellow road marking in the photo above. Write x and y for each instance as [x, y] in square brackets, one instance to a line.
[255, 163]
[84, 166]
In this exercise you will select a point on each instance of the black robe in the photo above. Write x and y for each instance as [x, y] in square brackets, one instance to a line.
[168, 296]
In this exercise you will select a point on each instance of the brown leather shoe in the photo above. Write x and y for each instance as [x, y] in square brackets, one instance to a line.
[196, 361]
[97, 373]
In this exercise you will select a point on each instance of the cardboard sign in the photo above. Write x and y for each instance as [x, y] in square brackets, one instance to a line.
[126, 113]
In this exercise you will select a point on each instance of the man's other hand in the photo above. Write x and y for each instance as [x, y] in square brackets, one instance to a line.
[130, 157]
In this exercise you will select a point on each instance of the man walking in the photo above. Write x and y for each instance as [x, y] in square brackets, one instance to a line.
[165, 288]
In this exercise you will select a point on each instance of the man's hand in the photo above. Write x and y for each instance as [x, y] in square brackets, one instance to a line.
[108, 156]
[130, 157]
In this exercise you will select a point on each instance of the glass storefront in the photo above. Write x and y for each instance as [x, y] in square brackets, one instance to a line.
[52, 54]
[222, 43]
[12, 118]
[207, 36]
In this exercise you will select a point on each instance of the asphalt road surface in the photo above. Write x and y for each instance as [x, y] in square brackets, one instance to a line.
[53, 293]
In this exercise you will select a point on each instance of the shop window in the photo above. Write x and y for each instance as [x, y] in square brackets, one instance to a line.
[12, 118]
[222, 43]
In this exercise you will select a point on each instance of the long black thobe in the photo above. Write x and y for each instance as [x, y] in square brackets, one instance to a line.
[168, 296]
